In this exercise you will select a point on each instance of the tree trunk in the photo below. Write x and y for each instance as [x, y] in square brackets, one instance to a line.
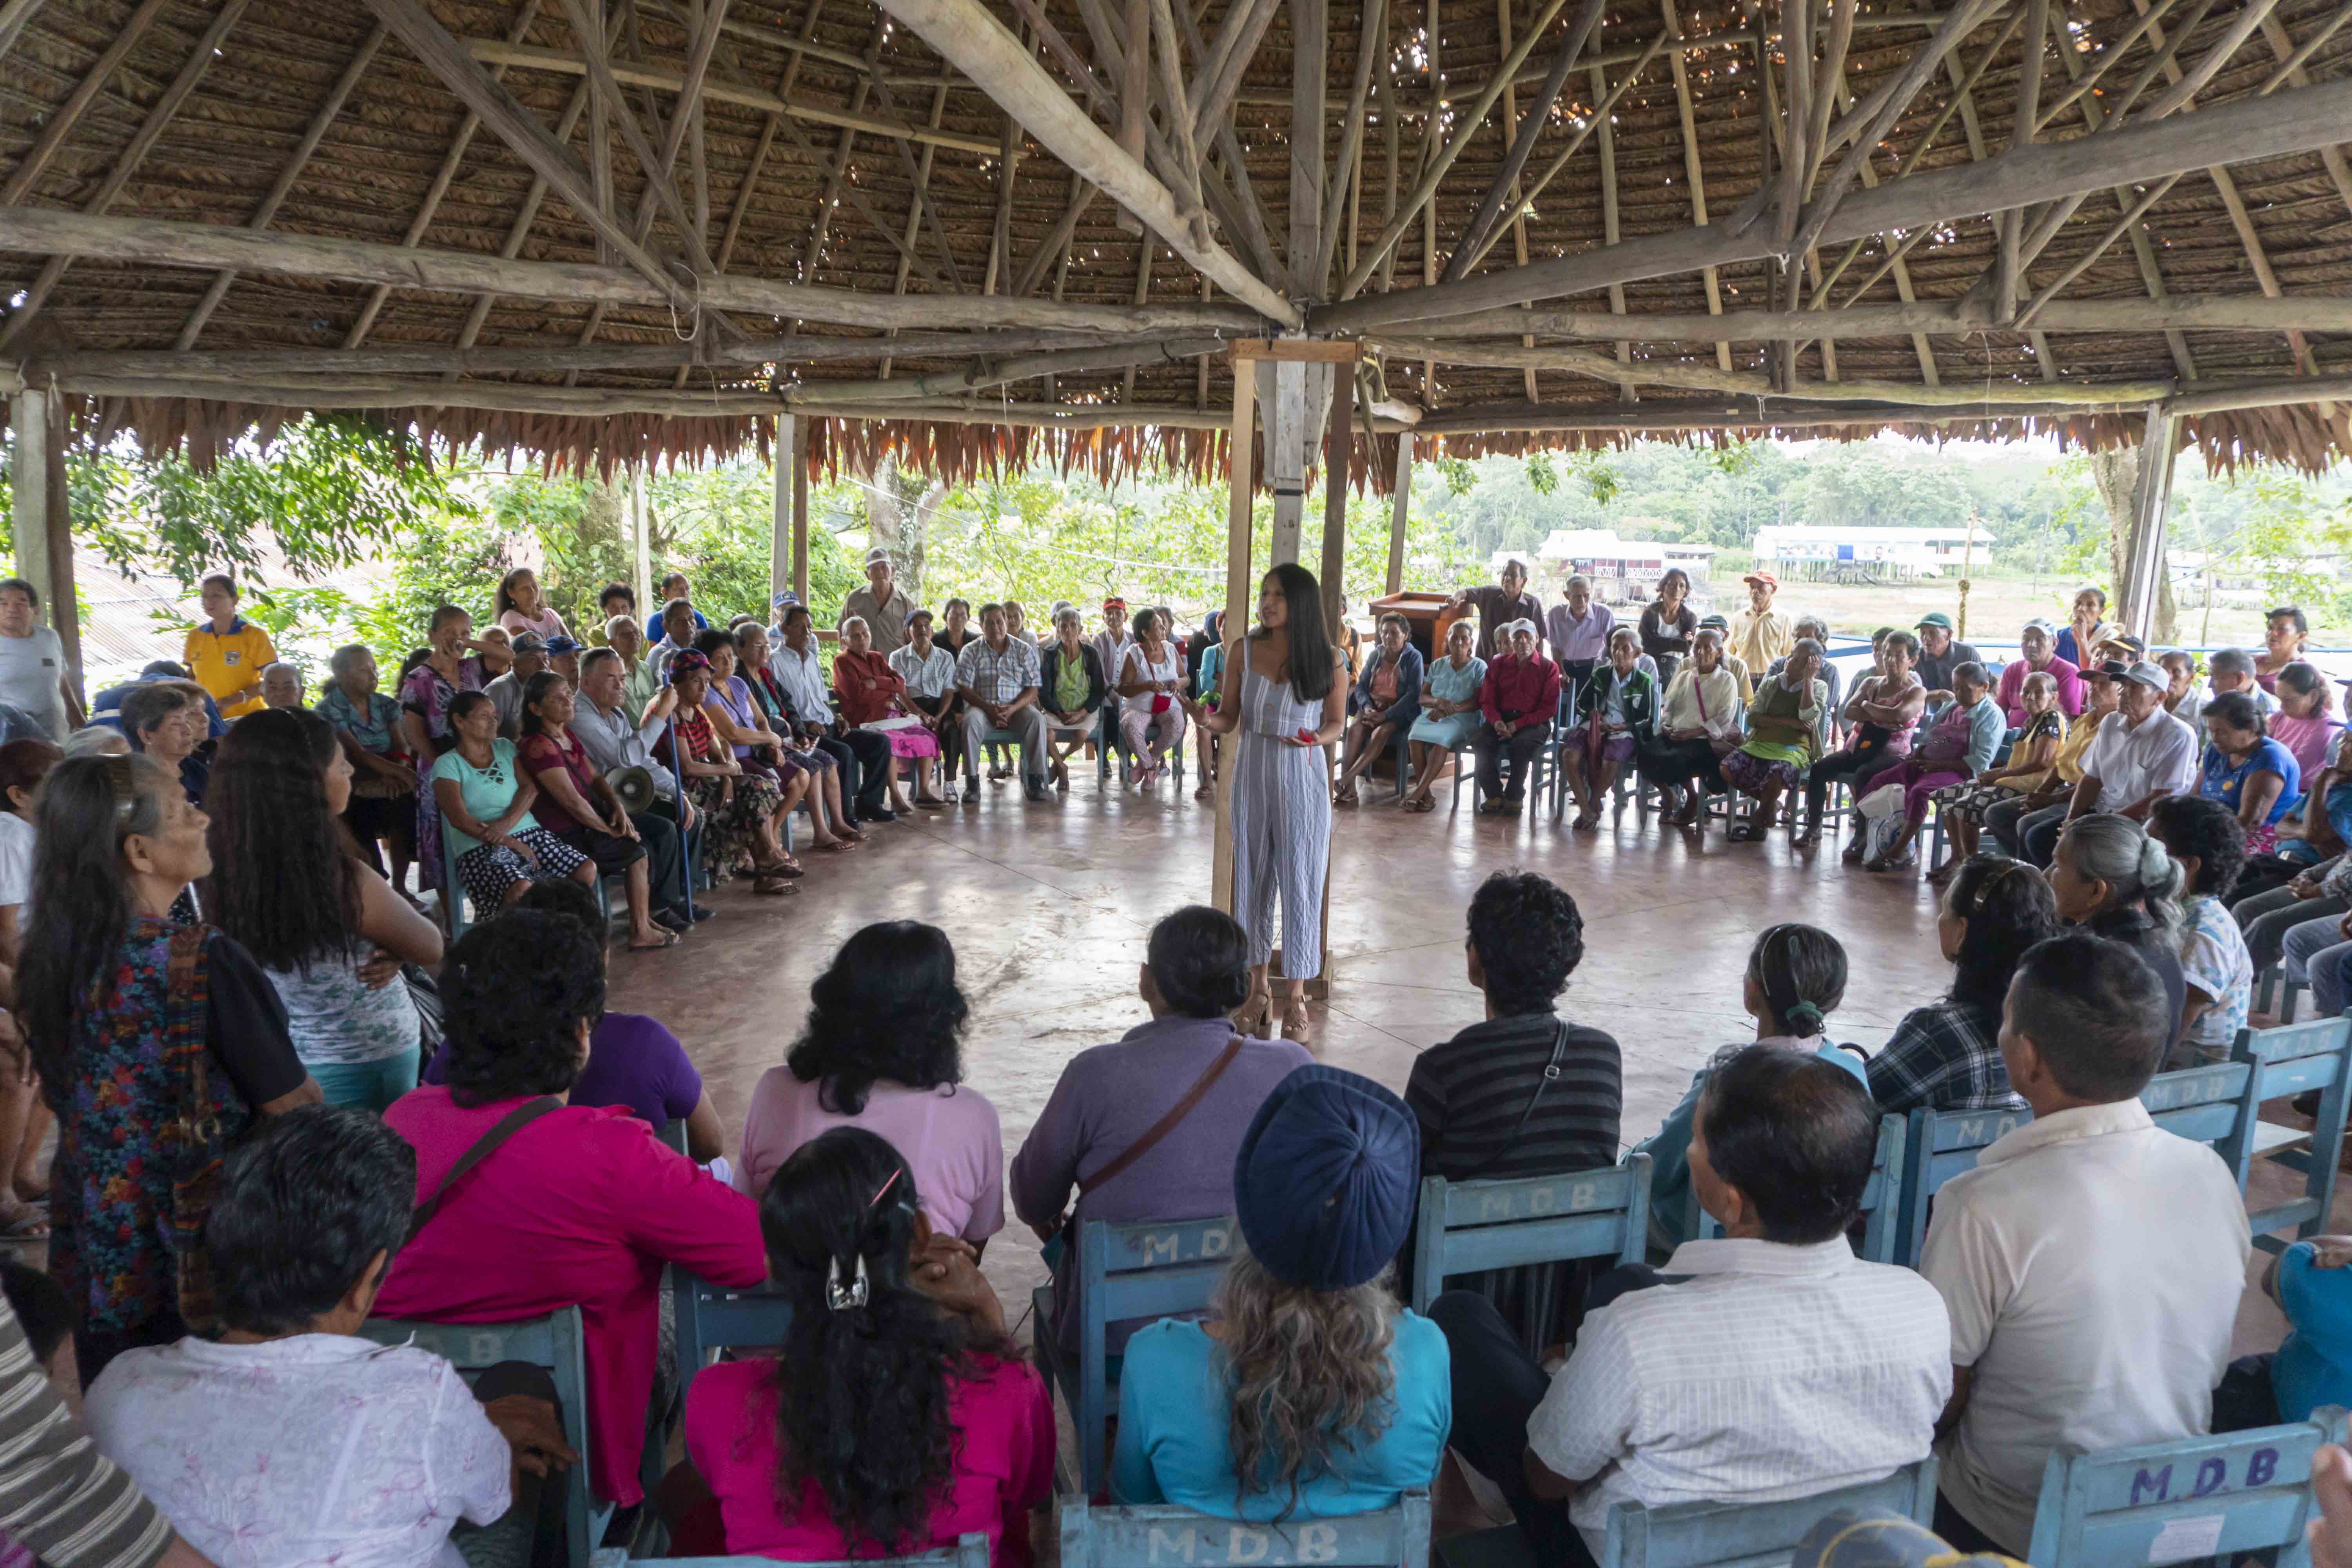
[900, 505]
[2117, 473]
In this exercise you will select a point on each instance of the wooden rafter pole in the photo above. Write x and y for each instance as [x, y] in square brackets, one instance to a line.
[1372, 44]
[519, 230]
[126, 162]
[763, 149]
[1169, 53]
[976, 43]
[2253, 129]
[60, 125]
[1310, 30]
[13, 18]
[1695, 174]
[288, 173]
[1214, 88]
[1241, 495]
[1529, 129]
[1610, 232]
[834, 176]
[1433, 171]
[999, 238]
[1082, 195]
[45, 231]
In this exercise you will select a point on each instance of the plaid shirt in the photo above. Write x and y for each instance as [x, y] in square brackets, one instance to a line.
[1944, 1056]
[997, 676]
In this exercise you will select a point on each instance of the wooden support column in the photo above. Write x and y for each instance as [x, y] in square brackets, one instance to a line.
[1338, 443]
[1400, 493]
[44, 530]
[2151, 496]
[641, 516]
[780, 525]
[800, 510]
[1241, 490]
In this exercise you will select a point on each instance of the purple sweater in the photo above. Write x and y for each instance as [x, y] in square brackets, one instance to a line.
[1108, 1097]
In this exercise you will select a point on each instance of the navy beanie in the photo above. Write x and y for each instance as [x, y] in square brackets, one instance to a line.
[1324, 1182]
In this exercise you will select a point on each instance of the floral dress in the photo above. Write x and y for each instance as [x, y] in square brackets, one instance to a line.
[730, 816]
[427, 694]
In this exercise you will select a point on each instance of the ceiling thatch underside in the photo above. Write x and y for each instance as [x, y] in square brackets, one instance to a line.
[192, 124]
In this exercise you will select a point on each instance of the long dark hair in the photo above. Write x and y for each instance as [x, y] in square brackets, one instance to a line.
[82, 898]
[862, 1388]
[534, 692]
[886, 1006]
[505, 598]
[1800, 972]
[2004, 907]
[1310, 648]
[285, 880]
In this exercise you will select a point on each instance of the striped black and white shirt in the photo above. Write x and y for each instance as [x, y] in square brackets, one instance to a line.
[1470, 1093]
[59, 1495]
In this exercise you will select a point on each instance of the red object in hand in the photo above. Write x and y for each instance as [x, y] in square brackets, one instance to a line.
[1306, 736]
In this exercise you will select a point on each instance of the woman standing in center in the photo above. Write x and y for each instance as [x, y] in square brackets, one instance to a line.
[1284, 694]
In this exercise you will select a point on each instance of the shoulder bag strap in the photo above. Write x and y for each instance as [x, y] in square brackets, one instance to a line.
[1551, 1072]
[1167, 1123]
[512, 1122]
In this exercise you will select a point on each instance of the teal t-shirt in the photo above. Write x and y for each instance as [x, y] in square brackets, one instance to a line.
[486, 792]
[1673, 1213]
[2314, 1367]
[1173, 1401]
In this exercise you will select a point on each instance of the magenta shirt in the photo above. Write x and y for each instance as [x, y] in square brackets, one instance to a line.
[1003, 1465]
[581, 1208]
[949, 1136]
[2312, 741]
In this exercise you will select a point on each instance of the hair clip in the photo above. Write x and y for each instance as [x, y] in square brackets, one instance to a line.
[884, 1188]
[838, 1296]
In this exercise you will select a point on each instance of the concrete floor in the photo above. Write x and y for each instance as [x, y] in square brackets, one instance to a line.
[1049, 906]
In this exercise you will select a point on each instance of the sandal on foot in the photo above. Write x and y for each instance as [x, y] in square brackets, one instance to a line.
[774, 887]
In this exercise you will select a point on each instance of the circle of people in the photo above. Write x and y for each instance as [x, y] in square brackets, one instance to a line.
[253, 1155]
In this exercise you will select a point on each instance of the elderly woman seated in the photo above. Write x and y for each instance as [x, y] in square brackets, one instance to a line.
[743, 811]
[573, 1206]
[383, 775]
[1614, 712]
[1698, 724]
[1817, 629]
[2033, 757]
[1387, 694]
[1784, 736]
[485, 798]
[1449, 718]
[1311, 1392]
[1072, 687]
[1154, 703]
[872, 692]
[1961, 743]
[165, 718]
[291, 1439]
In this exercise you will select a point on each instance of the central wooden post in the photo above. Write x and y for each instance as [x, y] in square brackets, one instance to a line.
[2150, 498]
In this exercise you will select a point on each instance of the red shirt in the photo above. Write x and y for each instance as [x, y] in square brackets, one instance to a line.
[1521, 690]
[867, 685]
[541, 753]
[579, 1208]
[1003, 1465]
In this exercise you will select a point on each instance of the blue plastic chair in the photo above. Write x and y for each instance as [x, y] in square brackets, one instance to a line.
[1163, 1533]
[554, 1341]
[1465, 1228]
[1882, 1198]
[1938, 1145]
[722, 1317]
[2210, 1499]
[1713, 1534]
[1147, 1269]
[971, 1552]
[455, 898]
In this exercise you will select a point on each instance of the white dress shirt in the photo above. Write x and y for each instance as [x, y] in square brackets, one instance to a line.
[2091, 1264]
[318, 1448]
[926, 678]
[612, 742]
[2131, 761]
[1773, 1372]
[803, 680]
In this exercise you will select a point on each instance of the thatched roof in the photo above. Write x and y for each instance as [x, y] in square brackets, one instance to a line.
[234, 178]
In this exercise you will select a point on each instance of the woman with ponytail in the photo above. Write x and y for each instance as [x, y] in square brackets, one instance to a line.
[898, 1415]
[1945, 1056]
[1796, 978]
[158, 1043]
[2113, 878]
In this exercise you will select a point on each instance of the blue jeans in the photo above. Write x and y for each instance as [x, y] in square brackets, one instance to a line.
[368, 1086]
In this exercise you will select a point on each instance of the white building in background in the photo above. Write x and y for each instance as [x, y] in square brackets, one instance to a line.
[1819, 551]
[1622, 571]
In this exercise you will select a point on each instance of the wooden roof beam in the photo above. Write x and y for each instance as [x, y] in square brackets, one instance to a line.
[2246, 129]
[975, 42]
[60, 125]
[160, 242]
[1474, 243]
[1962, 317]
[13, 18]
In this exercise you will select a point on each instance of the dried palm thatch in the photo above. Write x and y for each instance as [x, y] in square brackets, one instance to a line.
[612, 232]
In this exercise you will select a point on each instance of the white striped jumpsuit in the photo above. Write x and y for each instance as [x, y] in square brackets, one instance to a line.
[1282, 825]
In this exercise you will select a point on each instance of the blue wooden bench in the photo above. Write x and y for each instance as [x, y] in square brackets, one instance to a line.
[1882, 1197]
[2203, 1499]
[1938, 1145]
[1465, 1228]
[555, 1342]
[971, 1552]
[1156, 1535]
[1713, 1534]
[722, 1317]
[1148, 1268]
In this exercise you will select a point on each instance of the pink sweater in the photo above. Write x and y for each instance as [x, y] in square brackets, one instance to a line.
[1003, 1465]
[581, 1208]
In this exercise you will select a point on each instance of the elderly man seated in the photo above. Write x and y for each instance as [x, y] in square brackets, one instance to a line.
[1579, 631]
[2092, 1262]
[1520, 699]
[2140, 755]
[998, 677]
[1818, 1370]
[1498, 605]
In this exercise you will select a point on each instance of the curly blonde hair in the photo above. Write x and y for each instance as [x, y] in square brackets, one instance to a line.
[1309, 1374]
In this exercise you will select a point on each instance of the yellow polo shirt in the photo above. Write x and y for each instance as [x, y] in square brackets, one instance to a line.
[229, 661]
